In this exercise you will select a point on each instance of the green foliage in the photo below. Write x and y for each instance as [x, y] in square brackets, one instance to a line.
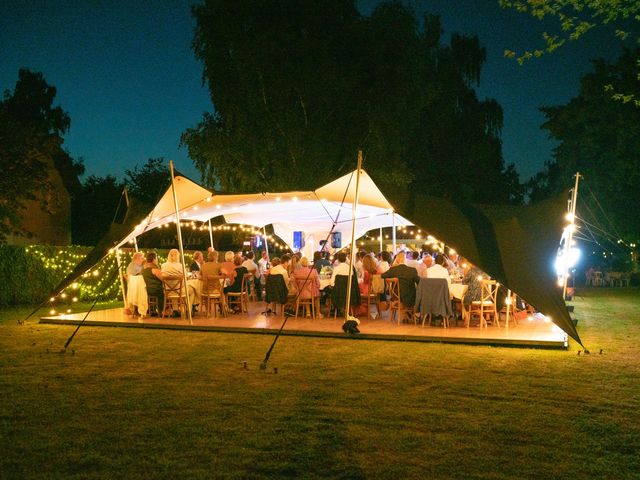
[601, 140]
[31, 130]
[148, 183]
[574, 19]
[298, 87]
[94, 207]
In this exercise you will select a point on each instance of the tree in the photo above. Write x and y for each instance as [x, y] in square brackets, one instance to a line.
[574, 19]
[601, 140]
[148, 182]
[31, 131]
[97, 203]
[298, 87]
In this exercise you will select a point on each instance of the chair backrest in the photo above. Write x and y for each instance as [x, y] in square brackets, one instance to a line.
[213, 284]
[489, 289]
[304, 287]
[393, 289]
[276, 289]
[172, 286]
[377, 283]
[339, 292]
[245, 282]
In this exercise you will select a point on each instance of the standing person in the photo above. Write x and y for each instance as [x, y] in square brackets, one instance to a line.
[252, 268]
[263, 263]
[152, 276]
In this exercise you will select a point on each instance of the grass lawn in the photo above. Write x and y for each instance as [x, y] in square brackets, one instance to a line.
[130, 403]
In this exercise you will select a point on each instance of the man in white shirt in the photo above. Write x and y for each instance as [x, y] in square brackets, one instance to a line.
[342, 268]
[283, 269]
[426, 263]
[251, 267]
[438, 270]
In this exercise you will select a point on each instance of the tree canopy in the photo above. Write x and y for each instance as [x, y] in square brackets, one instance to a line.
[600, 139]
[31, 138]
[298, 87]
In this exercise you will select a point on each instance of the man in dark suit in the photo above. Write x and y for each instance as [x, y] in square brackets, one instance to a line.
[407, 279]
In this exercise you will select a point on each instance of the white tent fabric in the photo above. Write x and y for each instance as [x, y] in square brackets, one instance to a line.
[312, 212]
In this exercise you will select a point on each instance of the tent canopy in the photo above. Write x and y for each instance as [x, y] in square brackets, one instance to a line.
[515, 245]
[312, 212]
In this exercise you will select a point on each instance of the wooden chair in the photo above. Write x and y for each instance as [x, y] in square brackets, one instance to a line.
[305, 297]
[486, 306]
[213, 294]
[396, 307]
[175, 296]
[241, 298]
[373, 298]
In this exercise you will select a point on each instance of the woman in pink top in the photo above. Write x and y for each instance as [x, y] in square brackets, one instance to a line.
[312, 286]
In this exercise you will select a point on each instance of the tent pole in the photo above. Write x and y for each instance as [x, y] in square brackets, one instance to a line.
[567, 245]
[211, 236]
[135, 243]
[184, 267]
[124, 292]
[266, 245]
[380, 238]
[508, 312]
[353, 238]
[393, 218]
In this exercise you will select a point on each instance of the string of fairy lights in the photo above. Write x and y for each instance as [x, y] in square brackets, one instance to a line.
[102, 282]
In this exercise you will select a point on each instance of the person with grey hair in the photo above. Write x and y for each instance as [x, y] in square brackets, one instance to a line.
[136, 265]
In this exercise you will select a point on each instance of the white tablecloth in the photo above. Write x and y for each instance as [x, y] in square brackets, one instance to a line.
[457, 290]
[137, 294]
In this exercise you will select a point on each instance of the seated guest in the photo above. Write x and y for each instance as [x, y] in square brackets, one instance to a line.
[426, 263]
[152, 276]
[340, 268]
[251, 267]
[281, 267]
[198, 261]
[385, 262]
[358, 265]
[211, 266]
[453, 263]
[137, 264]
[173, 266]
[439, 270]
[228, 267]
[407, 279]
[309, 277]
[471, 278]
[412, 260]
[319, 261]
[240, 271]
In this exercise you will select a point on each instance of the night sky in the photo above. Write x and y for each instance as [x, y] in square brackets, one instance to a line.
[126, 74]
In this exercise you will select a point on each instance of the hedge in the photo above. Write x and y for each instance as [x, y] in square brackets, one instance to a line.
[28, 274]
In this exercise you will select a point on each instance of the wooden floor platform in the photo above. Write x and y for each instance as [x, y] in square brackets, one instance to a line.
[532, 332]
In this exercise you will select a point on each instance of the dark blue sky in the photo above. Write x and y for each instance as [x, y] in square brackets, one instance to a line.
[126, 74]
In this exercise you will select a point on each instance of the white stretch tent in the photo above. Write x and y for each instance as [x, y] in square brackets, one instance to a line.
[312, 212]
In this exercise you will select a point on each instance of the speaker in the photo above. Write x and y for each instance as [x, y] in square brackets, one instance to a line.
[336, 240]
[298, 240]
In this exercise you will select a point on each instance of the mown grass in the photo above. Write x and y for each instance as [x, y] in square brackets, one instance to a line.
[135, 404]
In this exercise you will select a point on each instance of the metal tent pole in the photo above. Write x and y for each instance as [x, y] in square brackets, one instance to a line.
[211, 235]
[571, 227]
[353, 236]
[184, 267]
